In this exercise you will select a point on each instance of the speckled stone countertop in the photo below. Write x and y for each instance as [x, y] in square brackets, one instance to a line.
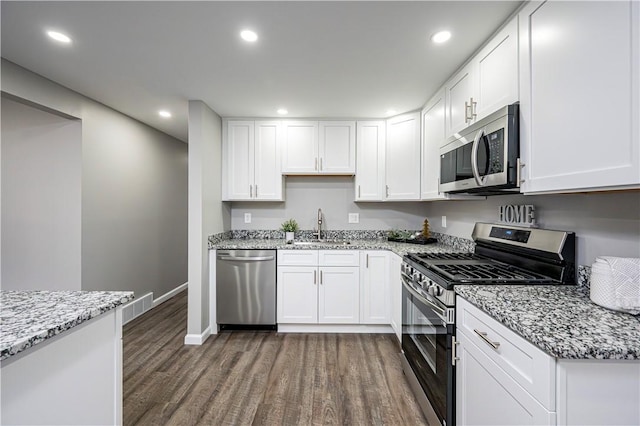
[561, 320]
[280, 244]
[31, 317]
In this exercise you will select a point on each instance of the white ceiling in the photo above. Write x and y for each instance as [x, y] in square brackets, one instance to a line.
[317, 59]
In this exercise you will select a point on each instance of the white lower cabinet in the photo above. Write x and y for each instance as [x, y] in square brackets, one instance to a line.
[502, 379]
[395, 294]
[374, 287]
[318, 287]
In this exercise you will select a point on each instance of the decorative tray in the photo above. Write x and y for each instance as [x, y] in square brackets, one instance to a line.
[416, 240]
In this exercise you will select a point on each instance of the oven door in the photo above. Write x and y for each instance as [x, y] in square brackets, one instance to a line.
[426, 343]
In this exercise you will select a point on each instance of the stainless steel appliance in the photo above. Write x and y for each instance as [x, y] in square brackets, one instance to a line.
[246, 289]
[503, 255]
[484, 158]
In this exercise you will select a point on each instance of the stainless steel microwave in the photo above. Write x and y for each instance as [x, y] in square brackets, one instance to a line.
[484, 159]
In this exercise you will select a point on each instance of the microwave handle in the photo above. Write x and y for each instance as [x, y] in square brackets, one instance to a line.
[480, 180]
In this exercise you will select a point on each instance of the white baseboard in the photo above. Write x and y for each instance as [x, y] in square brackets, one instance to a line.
[334, 328]
[168, 295]
[197, 339]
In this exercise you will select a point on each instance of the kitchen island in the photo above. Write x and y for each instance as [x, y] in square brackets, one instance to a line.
[61, 356]
[544, 354]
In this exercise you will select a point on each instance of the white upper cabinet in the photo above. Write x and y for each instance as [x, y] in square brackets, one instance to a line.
[325, 147]
[433, 134]
[402, 157]
[337, 147]
[300, 153]
[251, 169]
[370, 142]
[488, 82]
[580, 85]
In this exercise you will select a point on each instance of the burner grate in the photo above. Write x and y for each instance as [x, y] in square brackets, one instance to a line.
[487, 272]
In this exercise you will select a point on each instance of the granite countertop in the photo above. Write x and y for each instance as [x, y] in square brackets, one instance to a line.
[31, 317]
[280, 244]
[560, 320]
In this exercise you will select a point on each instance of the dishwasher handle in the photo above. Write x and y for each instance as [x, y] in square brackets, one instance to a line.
[245, 259]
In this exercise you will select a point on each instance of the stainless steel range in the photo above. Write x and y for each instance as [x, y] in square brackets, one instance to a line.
[504, 255]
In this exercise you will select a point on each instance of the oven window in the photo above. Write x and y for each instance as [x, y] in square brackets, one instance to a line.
[426, 342]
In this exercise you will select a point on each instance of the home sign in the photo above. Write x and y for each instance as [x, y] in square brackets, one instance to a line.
[523, 214]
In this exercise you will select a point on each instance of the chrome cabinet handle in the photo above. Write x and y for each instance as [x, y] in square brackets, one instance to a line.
[315, 167]
[358, 191]
[256, 191]
[321, 277]
[483, 336]
[250, 191]
[367, 260]
[519, 166]
[480, 180]
[387, 190]
[472, 107]
[454, 351]
[314, 277]
[320, 163]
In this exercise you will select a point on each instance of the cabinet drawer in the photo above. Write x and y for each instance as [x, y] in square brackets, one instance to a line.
[339, 258]
[529, 366]
[297, 257]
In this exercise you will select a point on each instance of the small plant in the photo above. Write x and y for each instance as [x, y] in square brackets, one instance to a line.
[289, 225]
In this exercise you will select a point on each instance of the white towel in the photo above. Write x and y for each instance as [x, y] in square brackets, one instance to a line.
[615, 283]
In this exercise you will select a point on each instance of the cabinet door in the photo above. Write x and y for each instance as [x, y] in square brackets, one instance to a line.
[402, 158]
[370, 141]
[300, 147]
[338, 295]
[268, 175]
[374, 288]
[239, 170]
[297, 294]
[486, 395]
[459, 91]
[580, 80]
[433, 135]
[395, 294]
[337, 147]
[496, 68]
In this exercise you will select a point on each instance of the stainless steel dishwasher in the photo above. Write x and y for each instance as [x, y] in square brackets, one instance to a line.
[246, 289]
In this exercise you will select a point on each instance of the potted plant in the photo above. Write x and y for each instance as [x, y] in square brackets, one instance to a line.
[289, 227]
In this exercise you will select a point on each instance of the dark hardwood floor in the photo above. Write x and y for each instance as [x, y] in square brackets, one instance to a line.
[261, 378]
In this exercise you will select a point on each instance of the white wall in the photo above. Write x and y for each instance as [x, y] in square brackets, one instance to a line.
[207, 214]
[134, 191]
[604, 223]
[304, 195]
[41, 199]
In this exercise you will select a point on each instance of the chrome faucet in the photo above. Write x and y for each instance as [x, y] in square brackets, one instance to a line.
[318, 233]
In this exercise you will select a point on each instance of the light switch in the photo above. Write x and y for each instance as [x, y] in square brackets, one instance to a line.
[444, 221]
[354, 217]
[247, 218]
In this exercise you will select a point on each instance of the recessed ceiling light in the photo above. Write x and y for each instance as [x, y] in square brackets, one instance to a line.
[441, 37]
[283, 111]
[164, 114]
[391, 111]
[248, 35]
[62, 38]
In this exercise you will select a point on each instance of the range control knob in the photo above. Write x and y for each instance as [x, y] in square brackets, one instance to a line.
[439, 290]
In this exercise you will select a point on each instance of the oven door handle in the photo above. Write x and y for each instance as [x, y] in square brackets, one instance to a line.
[480, 180]
[437, 309]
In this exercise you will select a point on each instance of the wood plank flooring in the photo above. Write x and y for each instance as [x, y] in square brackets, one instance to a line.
[260, 378]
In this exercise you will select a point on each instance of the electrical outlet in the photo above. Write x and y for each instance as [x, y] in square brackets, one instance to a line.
[444, 221]
[354, 217]
[247, 218]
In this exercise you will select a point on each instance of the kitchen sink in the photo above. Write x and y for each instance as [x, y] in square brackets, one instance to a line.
[321, 242]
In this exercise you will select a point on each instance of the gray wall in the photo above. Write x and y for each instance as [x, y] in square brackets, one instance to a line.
[304, 195]
[41, 210]
[207, 214]
[604, 223]
[134, 191]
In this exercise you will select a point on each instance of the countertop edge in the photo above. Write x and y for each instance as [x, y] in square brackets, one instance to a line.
[22, 343]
